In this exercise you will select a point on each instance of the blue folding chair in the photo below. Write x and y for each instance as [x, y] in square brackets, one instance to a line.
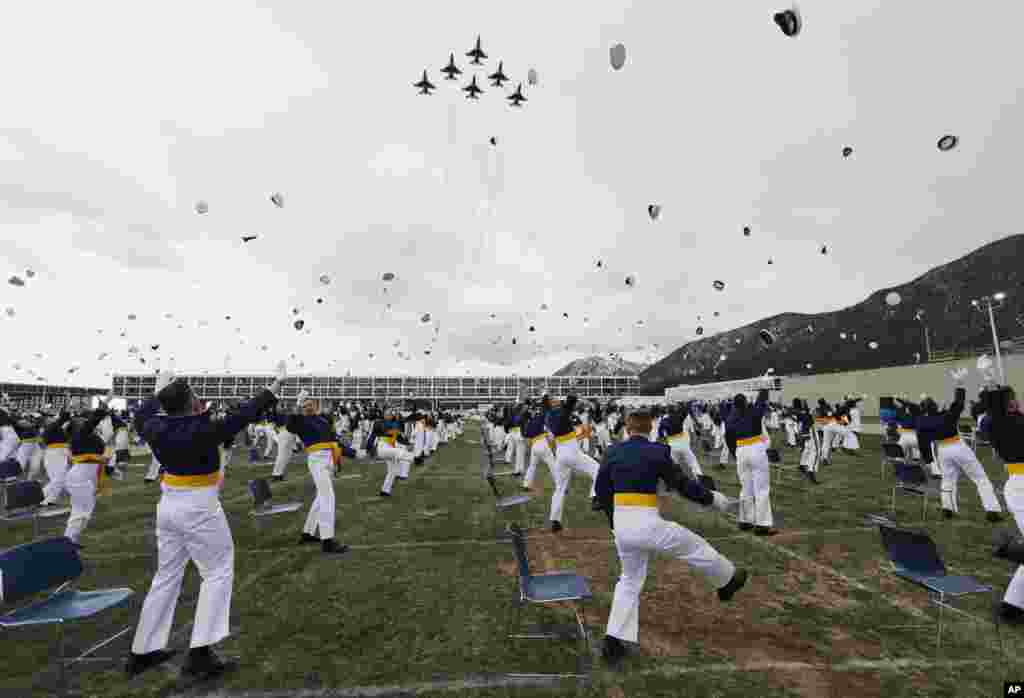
[22, 502]
[262, 506]
[503, 503]
[912, 479]
[10, 472]
[488, 459]
[915, 558]
[33, 568]
[552, 587]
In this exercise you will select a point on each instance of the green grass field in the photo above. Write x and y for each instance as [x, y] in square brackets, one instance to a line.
[421, 602]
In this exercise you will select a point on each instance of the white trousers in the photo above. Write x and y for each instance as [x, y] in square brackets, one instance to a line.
[395, 457]
[540, 452]
[790, 426]
[954, 458]
[908, 442]
[270, 437]
[81, 485]
[829, 434]
[190, 525]
[1014, 494]
[840, 436]
[56, 464]
[682, 453]
[154, 468]
[432, 440]
[511, 444]
[517, 452]
[810, 456]
[585, 445]
[753, 469]
[285, 446]
[321, 514]
[639, 532]
[604, 439]
[569, 457]
[30, 456]
[850, 441]
[419, 442]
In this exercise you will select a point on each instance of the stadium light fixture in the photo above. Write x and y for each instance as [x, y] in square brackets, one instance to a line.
[985, 304]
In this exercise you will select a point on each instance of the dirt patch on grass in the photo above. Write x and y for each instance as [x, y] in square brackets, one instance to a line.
[680, 611]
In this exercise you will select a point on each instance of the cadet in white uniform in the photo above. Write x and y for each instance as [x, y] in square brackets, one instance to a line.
[191, 524]
[627, 491]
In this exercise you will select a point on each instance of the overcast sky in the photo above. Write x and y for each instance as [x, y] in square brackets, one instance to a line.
[118, 117]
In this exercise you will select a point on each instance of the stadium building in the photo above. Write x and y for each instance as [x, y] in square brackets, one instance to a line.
[32, 396]
[442, 391]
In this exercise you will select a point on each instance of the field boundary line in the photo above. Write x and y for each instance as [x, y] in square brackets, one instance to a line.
[483, 542]
[506, 680]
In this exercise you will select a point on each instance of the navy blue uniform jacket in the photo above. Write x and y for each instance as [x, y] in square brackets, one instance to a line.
[940, 426]
[634, 466]
[187, 446]
[746, 424]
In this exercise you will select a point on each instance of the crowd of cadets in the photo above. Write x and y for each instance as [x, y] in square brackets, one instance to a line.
[818, 432]
[79, 450]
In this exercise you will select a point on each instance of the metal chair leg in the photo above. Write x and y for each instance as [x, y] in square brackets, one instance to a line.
[62, 686]
[581, 621]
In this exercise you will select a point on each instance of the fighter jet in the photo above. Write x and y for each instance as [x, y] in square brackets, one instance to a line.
[517, 97]
[424, 85]
[472, 91]
[477, 53]
[450, 71]
[498, 77]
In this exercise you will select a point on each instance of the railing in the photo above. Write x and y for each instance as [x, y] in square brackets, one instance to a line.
[1011, 346]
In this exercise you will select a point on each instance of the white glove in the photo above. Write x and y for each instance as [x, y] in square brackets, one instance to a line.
[959, 375]
[281, 371]
[163, 379]
[302, 397]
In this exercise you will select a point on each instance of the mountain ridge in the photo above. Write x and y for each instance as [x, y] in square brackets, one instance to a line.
[942, 293]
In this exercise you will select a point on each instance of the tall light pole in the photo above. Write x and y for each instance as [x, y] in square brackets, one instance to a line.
[987, 303]
[919, 316]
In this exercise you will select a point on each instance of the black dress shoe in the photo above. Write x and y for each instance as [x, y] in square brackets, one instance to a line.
[993, 516]
[612, 649]
[948, 513]
[138, 663]
[277, 478]
[739, 578]
[813, 477]
[306, 538]
[765, 531]
[556, 526]
[595, 504]
[385, 494]
[746, 526]
[1009, 614]
[333, 547]
[202, 663]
